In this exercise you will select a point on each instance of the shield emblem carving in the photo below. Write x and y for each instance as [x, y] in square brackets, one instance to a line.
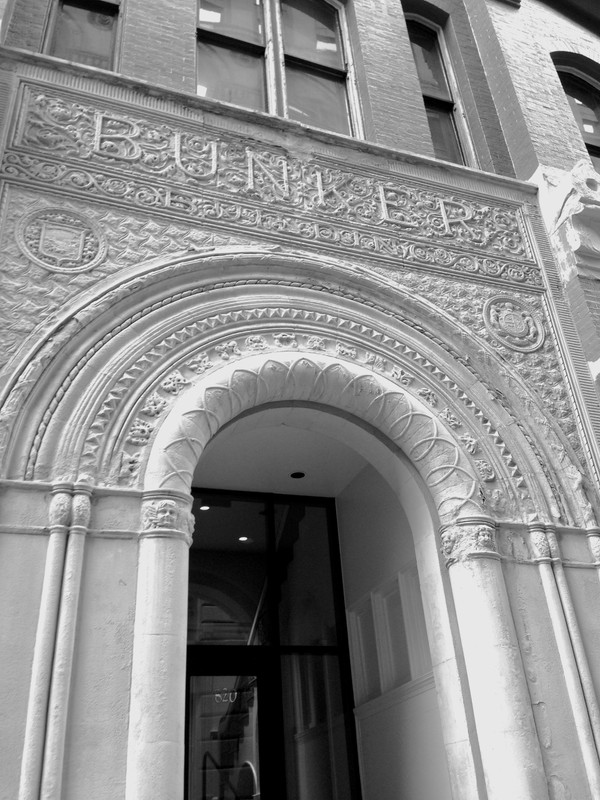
[61, 242]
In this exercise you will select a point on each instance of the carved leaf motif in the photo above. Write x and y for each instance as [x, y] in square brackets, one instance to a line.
[449, 418]
[154, 405]
[174, 383]
[429, 396]
[140, 432]
[485, 470]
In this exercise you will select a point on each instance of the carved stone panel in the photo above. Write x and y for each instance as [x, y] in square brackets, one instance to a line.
[204, 174]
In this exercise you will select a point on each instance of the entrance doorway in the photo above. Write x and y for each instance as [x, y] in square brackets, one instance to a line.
[269, 690]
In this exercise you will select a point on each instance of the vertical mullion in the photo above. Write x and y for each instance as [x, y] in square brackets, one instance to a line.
[273, 736]
[343, 649]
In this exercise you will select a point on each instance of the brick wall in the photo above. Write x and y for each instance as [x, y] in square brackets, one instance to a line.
[27, 25]
[389, 79]
[158, 42]
[527, 36]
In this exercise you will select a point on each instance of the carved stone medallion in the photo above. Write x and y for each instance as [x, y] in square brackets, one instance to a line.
[61, 240]
[509, 321]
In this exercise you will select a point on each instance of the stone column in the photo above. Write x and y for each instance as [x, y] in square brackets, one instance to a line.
[58, 707]
[41, 670]
[155, 755]
[510, 750]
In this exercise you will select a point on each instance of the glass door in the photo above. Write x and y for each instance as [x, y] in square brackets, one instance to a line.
[269, 697]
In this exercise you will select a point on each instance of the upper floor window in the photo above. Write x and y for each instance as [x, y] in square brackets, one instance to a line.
[437, 95]
[85, 32]
[584, 100]
[284, 57]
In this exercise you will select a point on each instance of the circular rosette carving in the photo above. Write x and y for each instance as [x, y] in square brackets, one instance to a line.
[509, 321]
[61, 240]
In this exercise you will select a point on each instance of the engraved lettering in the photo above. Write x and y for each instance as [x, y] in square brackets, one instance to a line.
[396, 207]
[115, 137]
[196, 156]
[267, 174]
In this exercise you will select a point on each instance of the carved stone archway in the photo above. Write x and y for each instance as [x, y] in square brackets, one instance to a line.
[144, 389]
[406, 425]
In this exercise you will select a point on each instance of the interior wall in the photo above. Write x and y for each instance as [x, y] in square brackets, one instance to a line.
[399, 728]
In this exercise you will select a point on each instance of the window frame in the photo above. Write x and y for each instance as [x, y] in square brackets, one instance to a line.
[454, 105]
[594, 87]
[98, 6]
[276, 60]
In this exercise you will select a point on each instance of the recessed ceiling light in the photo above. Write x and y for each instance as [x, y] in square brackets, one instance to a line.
[204, 508]
[243, 539]
[297, 475]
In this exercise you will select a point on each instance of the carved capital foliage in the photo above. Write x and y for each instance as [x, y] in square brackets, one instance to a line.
[593, 538]
[540, 543]
[463, 541]
[60, 510]
[82, 509]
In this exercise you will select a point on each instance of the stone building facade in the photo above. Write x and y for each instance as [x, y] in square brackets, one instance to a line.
[205, 303]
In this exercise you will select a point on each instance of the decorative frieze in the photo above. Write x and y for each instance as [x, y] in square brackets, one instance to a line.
[208, 175]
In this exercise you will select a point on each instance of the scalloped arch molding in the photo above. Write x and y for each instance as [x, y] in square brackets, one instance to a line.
[111, 369]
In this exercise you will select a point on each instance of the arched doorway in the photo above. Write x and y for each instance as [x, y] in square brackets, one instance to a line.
[294, 471]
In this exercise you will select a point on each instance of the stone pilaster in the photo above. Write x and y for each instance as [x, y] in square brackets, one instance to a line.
[155, 757]
[510, 750]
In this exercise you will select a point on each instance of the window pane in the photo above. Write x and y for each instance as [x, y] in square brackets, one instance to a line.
[240, 19]
[311, 31]
[427, 57]
[227, 585]
[223, 737]
[304, 587]
[585, 104]
[317, 100]
[314, 729]
[84, 36]
[231, 75]
[443, 134]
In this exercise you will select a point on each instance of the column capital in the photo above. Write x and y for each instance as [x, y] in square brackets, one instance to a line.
[469, 537]
[60, 507]
[541, 543]
[593, 537]
[166, 516]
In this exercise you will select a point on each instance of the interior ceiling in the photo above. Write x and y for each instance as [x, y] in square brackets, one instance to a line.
[259, 452]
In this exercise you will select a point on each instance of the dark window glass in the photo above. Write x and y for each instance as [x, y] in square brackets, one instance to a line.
[307, 80]
[584, 100]
[443, 132]
[311, 32]
[317, 99]
[269, 710]
[237, 19]
[235, 76]
[231, 54]
[439, 104]
[85, 33]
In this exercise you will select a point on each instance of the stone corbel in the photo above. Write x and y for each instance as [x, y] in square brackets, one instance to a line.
[570, 205]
